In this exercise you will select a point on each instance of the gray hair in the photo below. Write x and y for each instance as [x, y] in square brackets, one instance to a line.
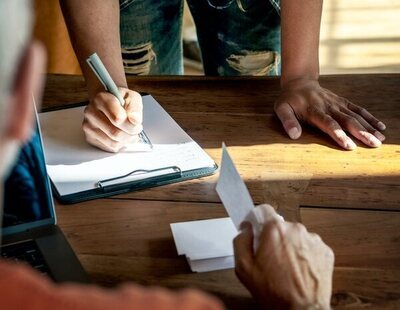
[15, 30]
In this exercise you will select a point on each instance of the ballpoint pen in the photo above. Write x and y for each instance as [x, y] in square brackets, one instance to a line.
[104, 77]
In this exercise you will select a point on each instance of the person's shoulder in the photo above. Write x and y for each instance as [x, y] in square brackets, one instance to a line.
[162, 298]
[15, 274]
[7, 269]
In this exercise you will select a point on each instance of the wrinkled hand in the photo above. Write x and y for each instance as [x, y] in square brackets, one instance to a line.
[291, 268]
[109, 126]
[306, 101]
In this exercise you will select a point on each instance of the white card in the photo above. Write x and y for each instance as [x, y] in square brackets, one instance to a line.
[204, 239]
[232, 191]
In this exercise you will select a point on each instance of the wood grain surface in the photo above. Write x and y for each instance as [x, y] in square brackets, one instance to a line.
[352, 199]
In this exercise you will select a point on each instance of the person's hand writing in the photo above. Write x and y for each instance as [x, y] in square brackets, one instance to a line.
[304, 100]
[109, 126]
[291, 268]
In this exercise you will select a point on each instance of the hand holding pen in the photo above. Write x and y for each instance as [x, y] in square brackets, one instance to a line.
[113, 119]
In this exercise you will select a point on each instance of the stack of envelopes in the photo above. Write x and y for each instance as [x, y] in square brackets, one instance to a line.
[207, 244]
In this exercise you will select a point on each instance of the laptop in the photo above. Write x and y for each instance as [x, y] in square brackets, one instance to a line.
[29, 231]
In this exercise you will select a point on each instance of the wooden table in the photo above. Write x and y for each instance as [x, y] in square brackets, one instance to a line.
[352, 199]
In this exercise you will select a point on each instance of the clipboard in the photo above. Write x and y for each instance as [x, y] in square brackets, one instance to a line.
[80, 172]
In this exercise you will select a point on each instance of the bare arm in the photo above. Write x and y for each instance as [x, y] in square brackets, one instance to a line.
[300, 39]
[302, 98]
[93, 26]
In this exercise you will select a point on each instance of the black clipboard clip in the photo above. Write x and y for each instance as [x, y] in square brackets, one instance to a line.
[175, 173]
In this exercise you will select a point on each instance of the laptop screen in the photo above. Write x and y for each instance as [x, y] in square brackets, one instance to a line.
[27, 197]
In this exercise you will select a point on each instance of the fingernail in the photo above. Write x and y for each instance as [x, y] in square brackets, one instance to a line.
[294, 133]
[374, 142]
[380, 136]
[381, 126]
[350, 145]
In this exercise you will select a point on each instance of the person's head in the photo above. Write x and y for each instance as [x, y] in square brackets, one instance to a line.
[21, 65]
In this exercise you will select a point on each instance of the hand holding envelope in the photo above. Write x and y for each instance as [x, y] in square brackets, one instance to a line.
[281, 263]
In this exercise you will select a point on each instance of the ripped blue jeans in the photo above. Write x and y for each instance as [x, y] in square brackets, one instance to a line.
[236, 37]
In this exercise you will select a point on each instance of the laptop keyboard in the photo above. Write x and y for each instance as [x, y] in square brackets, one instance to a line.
[27, 252]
